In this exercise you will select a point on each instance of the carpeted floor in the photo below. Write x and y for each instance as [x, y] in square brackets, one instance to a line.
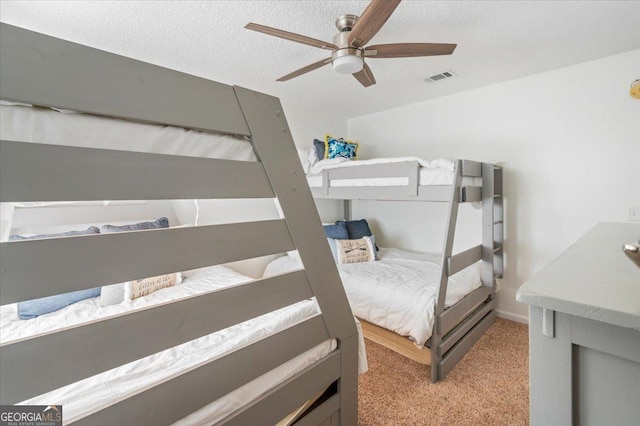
[489, 386]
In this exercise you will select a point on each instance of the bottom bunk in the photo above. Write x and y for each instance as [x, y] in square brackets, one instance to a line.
[394, 298]
[85, 397]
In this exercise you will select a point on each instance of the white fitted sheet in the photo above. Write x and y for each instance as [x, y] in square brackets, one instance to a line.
[397, 292]
[42, 125]
[94, 393]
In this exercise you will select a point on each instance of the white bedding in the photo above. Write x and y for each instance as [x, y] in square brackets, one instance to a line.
[432, 172]
[92, 394]
[41, 125]
[397, 292]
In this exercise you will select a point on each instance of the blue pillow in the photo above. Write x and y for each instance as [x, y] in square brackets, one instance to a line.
[319, 147]
[337, 231]
[34, 308]
[357, 229]
[90, 230]
[163, 222]
[335, 148]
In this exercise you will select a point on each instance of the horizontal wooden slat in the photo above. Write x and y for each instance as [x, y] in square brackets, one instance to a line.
[436, 193]
[384, 170]
[321, 413]
[36, 268]
[48, 71]
[462, 347]
[32, 172]
[464, 259]
[462, 329]
[88, 350]
[451, 316]
[471, 168]
[173, 400]
[291, 394]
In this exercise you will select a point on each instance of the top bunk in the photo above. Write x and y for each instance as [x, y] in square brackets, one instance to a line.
[45, 72]
[401, 179]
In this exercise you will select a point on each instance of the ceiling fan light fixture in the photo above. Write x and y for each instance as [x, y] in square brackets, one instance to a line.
[349, 64]
[347, 61]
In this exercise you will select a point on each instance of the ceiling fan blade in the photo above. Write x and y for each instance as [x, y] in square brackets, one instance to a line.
[371, 20]
[365, 76]
[407, 50]
[305, 70]
[290, 36]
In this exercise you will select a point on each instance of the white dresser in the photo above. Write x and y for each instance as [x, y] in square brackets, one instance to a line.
[584, 332]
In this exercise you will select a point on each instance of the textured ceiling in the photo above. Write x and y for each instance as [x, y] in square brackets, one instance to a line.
[497, 41]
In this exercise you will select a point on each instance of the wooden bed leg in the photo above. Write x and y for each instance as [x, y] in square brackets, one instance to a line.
[348, 383]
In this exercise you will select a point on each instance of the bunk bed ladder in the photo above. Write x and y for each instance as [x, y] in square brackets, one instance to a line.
[492, 224]
[436, 337]
[450, 340]
[294, 197]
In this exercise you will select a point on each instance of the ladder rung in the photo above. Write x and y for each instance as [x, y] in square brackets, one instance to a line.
[497, 249]
[497, 195]
[498, 222]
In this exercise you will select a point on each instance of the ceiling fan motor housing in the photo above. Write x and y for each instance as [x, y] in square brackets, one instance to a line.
[346, 22]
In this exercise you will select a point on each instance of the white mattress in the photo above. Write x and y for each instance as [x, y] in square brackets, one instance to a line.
[92, 394]
[431, 172]
[397, 292]
[40, 125]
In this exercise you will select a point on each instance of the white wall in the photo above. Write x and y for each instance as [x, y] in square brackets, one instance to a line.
[569, 142]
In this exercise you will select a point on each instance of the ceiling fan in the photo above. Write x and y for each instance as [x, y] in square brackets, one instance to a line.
[348, 49]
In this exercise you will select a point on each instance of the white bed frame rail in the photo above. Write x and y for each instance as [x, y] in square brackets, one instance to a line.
[46, 71]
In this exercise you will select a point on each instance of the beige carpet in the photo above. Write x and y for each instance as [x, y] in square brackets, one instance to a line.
[489, 386]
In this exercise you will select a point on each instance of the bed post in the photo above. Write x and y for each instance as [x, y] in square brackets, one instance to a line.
[436, 336]
[347, 209]
[273, 143]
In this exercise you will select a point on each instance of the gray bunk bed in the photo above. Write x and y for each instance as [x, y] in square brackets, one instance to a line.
[45, 71]
[457, 327]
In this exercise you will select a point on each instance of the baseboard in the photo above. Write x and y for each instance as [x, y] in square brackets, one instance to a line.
[512, 317]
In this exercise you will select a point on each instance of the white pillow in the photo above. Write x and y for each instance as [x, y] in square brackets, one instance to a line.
[307, 158]
[111, 294]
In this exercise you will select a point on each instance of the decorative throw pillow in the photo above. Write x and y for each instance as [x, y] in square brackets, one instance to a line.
[338, 231]
[162, 222]
[320, 149]
[90, 230]
[335, 148]
[145, 286]
[357, 229]
[34, 308]
[354, 251]
[334, 251]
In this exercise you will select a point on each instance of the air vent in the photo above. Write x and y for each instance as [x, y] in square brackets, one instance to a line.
[441, 76]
